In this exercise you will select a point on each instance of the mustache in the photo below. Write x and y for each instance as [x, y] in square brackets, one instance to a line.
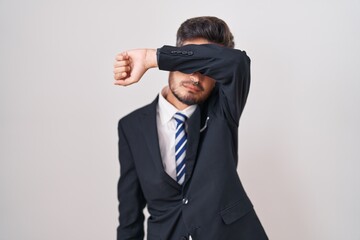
[198, 85]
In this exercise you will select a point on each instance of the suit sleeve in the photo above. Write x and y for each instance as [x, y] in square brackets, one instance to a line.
[229, 67]
[131, 198]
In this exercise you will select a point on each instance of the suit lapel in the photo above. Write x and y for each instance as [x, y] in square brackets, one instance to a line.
[149, 129]
[193, 142]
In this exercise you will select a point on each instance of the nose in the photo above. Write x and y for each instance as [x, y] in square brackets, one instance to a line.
[195, 74]
[195, 78]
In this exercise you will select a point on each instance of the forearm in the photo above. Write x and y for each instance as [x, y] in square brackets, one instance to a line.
[212, 60]
[230, 68]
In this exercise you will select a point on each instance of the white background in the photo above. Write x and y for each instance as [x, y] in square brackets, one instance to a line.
[299, 133]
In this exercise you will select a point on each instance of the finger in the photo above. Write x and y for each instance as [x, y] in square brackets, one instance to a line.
[119, 57]
[125, 82]
[122, 56]
[121, 63]
[125, 54]
[119, 82]
[122, 69]
[120, 76]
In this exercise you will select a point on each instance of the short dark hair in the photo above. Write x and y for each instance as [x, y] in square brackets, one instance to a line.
[212, 29]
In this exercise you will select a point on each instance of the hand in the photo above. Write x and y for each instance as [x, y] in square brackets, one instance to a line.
[130, 66]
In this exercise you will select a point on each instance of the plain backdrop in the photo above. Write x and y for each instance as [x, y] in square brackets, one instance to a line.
[299, 133]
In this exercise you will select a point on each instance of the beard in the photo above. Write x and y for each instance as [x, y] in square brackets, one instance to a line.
[187, 98]
[197, 93]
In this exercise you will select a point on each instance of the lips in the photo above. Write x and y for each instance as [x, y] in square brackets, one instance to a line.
[192, 87]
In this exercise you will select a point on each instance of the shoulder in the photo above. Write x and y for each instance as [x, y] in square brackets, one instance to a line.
[133, 117]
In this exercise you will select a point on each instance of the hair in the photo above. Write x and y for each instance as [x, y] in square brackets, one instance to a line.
[212, 29]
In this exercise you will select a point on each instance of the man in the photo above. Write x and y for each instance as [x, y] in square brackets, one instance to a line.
[178, 155]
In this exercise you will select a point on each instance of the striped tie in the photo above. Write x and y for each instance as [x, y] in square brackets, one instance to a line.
[180, 146]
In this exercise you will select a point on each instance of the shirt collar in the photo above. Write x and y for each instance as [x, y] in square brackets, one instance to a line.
[167, 110]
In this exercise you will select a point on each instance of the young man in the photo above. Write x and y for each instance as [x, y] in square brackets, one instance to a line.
[178, 155]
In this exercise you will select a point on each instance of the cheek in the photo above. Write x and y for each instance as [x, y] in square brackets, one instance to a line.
[173, 83]
[209, 84]
[175, 79]
[207, 92]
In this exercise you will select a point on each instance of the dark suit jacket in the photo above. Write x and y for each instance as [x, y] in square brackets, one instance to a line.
[211, 204]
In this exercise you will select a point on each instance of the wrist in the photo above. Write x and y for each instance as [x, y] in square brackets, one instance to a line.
[151, 58]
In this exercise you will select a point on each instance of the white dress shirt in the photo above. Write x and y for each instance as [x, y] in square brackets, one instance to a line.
[166, 128]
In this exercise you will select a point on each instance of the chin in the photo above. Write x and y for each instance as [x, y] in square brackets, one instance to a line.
[190, 100]
[186, 99]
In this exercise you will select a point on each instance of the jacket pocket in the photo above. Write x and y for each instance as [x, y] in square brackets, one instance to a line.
[236, 211]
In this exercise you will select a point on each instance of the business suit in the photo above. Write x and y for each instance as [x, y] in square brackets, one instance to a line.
[211, 204]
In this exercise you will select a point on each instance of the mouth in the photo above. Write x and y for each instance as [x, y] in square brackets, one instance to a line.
[193, 88]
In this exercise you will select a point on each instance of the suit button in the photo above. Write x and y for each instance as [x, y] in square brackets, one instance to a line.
[173, 52]
[184, 52]
[190, 53]
[185, 201]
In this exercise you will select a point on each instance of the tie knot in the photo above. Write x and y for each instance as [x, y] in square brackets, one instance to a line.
[180, 117]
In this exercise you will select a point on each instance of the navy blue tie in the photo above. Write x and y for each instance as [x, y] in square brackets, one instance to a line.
[180, 146]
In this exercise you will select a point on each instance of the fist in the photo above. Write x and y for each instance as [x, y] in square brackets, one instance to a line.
[122, 66]
[130, 66]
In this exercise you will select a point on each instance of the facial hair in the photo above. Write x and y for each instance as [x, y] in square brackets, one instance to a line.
[188, 99]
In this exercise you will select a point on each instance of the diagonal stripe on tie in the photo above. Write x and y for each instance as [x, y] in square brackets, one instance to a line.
[182, 141]
[180, 131]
